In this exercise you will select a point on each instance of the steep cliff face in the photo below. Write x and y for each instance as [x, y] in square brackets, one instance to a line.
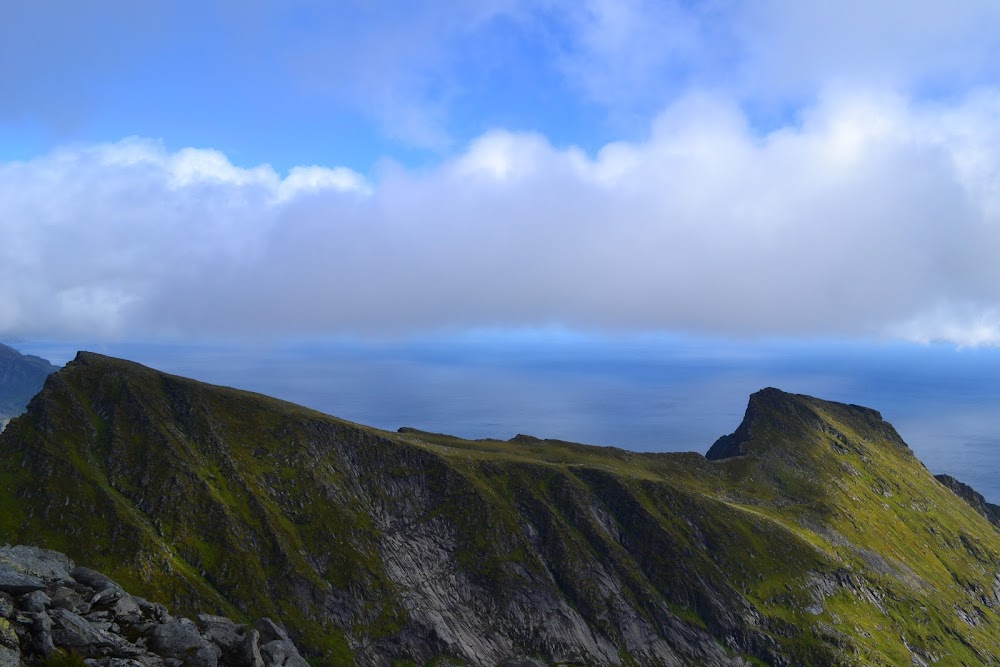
[973, 497]
[21, 377]
[815, 537]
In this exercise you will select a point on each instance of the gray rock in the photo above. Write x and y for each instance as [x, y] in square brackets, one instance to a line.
[281, 653]
[8, 637]
[41, 640]
[124, 649]
[181, 641]
[152, 611]
[126, 610]
[9, 657]
[93, 579]
[17, 583]
[150, 660]
[72, 631]
[522, 662]
[107, 597]
[116, 662]
[226, 634]
[62, 607]
[269, 631]
[141, 660]
[36, 602]
[23, 632]
[249, 655]
[42, 563]
[67, 598]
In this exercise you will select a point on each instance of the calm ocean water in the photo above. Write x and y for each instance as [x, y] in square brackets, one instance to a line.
[653, 394]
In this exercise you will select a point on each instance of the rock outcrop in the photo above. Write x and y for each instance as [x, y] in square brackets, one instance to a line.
[50, 607]
[973, 497]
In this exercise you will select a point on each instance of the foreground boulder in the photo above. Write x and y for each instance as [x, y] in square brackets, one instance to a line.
[48, 605]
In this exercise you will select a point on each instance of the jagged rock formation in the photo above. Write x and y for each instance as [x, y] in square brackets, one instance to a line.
[48, 605]
[21, 377]
[973, 497]
[814, 537]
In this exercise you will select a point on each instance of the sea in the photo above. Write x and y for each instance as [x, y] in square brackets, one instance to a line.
[649, 393]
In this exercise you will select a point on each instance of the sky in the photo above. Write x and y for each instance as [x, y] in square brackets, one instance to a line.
[188, 170]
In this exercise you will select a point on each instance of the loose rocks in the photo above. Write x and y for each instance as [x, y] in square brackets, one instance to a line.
[48, 604]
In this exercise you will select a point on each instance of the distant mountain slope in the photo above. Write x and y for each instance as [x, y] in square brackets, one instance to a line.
[21, 377]
[973, 497]
[814, 538]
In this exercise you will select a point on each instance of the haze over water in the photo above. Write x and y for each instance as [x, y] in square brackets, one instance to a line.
[649, 394]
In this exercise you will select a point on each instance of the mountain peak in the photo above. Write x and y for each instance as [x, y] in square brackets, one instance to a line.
[773, 411]
[86, 359]
[83, 358]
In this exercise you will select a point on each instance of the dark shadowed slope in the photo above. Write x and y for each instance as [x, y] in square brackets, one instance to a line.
[21, 377]
[816, 537]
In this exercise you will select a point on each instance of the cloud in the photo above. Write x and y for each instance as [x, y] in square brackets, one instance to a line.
[636, 56]
[629, 53]
[795, 48]
[873, 216]
[92, 234]
[964, 324]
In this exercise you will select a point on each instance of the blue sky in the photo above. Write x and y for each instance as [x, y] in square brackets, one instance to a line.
[182, 170]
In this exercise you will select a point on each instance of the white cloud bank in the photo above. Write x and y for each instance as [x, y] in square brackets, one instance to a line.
[872, 215]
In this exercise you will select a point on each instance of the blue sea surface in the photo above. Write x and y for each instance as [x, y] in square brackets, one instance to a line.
[644, 394]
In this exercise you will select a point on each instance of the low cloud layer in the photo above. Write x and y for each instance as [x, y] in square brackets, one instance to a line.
[869, 216]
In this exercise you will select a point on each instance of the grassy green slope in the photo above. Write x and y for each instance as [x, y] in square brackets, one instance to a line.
[815, 537]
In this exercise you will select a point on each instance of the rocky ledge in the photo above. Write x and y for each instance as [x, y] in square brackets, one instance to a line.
[50, 608]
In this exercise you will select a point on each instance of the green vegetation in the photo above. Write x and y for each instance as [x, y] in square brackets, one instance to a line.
[60, 658]
[815, 537]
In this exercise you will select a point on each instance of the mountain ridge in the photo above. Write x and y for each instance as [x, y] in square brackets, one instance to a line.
[812, 546]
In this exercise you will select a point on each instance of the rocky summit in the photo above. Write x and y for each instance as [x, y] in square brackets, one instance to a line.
[810, 536]
[52, 610]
